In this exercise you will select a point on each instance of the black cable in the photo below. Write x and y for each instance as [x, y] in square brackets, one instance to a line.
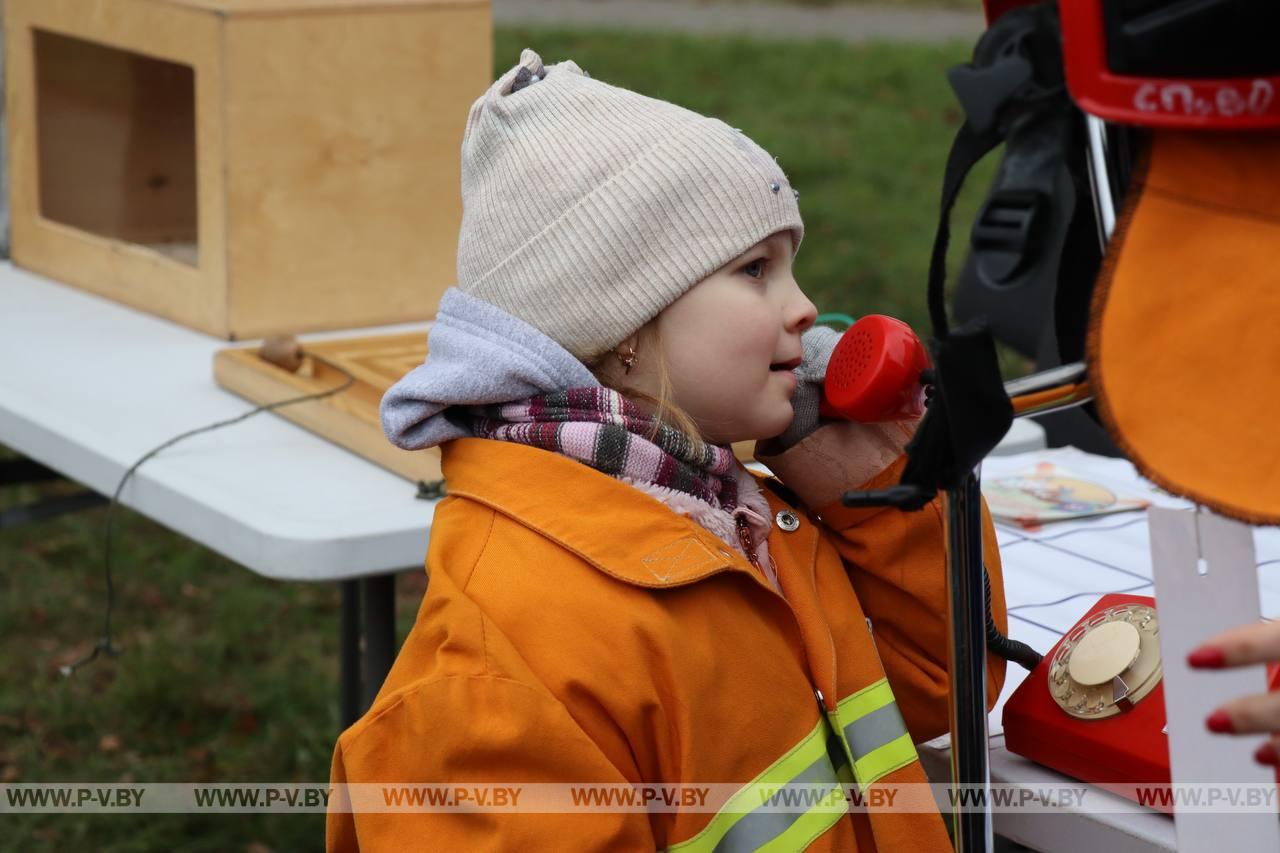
[105, 645]
[1011, 650]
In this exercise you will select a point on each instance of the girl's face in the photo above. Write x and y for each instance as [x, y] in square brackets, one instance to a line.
[732, 341]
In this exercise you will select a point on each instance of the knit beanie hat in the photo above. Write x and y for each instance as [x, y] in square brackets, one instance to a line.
[588, 209]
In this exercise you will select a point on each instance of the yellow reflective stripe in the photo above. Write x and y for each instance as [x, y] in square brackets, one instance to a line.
[880, 727]
[798, 759]
[866, 700]
[872, 728]
[884, 760]
[807, 827]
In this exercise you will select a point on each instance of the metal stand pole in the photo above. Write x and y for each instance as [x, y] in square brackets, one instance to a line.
[1053, 390]
[967, 603]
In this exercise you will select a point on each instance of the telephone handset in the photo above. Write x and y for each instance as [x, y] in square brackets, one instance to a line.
[877, 372]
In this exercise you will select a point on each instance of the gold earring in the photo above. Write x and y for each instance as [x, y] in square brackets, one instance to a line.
[629, 359]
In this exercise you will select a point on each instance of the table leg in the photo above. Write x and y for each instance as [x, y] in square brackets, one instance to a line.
[22, 471]
[50, 508]
[379, 603]
[367, 642]
[349, 653]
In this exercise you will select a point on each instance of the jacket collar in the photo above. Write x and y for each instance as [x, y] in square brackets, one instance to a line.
[611, 524]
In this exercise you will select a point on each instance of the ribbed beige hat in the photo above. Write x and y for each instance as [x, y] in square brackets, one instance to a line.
[587, 209]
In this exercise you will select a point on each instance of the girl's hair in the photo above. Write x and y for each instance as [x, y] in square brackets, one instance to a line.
[666, 409]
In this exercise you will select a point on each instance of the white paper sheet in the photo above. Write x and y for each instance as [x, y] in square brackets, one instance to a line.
[1194, 606]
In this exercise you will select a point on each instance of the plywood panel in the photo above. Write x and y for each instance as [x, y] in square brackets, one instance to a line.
[345, 138]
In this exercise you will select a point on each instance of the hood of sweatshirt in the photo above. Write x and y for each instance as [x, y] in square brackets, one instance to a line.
[477, 354]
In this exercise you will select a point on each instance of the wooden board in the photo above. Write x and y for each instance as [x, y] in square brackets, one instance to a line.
[349, 419]
[343, 138]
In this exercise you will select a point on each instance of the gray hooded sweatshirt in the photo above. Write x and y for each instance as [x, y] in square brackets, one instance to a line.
[478, 354]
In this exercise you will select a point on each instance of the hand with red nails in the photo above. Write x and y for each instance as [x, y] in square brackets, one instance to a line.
[1247, 644]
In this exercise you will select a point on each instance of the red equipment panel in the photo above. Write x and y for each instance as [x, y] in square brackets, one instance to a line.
[1196, 101]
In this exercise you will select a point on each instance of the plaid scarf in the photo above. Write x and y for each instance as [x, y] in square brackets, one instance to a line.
[603, 429]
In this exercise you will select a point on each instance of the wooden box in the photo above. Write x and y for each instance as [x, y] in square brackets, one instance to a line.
[244, 167]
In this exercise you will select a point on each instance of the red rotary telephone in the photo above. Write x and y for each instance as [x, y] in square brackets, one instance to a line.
[1094, 707]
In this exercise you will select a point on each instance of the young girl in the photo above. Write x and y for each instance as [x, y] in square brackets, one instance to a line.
[613, 597]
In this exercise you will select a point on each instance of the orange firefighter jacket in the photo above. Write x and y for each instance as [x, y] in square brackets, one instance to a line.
[576, 630]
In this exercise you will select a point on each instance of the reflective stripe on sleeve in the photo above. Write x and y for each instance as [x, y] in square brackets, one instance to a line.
[875, 731]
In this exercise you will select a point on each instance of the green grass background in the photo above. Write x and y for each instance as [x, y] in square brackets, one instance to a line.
[230, 677]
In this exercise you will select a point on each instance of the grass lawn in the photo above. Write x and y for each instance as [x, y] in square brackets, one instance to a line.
[229, 677]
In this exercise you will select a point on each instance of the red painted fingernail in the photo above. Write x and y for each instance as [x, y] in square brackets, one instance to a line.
[1219, 722]
[1266, 754]
[1207, 657]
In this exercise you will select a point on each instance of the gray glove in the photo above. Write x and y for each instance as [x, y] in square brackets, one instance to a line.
[819, 342]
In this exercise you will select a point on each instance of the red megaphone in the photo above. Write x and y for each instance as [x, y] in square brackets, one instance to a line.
[874, 373]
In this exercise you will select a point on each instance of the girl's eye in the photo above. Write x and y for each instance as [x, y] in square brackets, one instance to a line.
[755, 269]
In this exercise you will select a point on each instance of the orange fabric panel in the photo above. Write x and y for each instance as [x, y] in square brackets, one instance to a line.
[1183, 345]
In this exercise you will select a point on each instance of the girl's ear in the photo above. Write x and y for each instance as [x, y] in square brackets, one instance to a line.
[643, 342]
[627, 351]
[637, 340]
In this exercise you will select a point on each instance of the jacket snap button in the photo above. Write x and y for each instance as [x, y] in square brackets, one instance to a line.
[788, 520]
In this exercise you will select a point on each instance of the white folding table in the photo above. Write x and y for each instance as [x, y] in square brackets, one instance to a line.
[88, 386]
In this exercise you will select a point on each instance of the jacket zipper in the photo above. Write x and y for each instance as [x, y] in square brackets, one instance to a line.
[744, 537]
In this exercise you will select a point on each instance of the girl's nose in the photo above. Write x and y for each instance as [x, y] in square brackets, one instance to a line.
[805, 313]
